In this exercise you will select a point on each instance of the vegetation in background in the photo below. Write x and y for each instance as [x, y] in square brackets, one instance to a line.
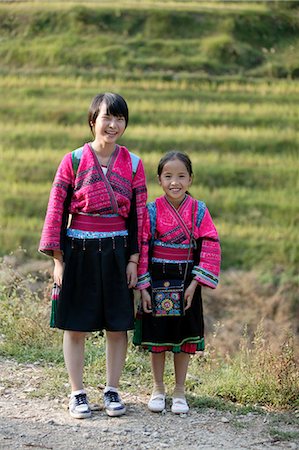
[241, 136]
[218, 80]
[184, 68]
[255, 375]
[214, 38]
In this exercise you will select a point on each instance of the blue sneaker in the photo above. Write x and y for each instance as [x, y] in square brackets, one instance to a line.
[113, 404]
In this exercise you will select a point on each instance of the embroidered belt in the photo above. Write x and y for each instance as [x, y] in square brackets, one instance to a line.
[109, 223]
[170, 253]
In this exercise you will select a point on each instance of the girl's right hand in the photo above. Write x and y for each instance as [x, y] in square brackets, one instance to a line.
[146, 301]
[58, 268]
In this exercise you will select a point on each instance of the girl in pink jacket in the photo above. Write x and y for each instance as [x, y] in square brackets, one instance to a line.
[92, 230]
[178, 238]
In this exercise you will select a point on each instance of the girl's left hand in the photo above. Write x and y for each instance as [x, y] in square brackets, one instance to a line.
[131, 273]
[189, 292]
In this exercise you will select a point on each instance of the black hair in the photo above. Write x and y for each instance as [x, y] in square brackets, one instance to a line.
[116, 105]
[174, 154]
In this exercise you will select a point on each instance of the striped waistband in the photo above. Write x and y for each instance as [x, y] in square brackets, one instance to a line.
[171, 254]
[94, 223]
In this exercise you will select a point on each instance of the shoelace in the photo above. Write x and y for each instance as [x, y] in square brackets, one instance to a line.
[113, 396]
[81, 399]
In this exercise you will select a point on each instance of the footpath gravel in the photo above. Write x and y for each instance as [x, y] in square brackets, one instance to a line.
[43, 423]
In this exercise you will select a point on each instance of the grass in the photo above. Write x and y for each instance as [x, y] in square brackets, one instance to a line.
[244, 156]
[218, 80]
[278, 435]
[153, 36]
[285, 420]
[254, 376]
[131, 4]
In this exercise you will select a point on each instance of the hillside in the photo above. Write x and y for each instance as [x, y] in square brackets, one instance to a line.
[218, 80]
[164, 38]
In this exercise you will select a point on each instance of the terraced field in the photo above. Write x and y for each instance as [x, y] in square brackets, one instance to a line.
[241, 136]
[201, 77]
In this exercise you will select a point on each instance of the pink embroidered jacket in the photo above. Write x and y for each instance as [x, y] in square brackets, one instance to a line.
[171, 239]
[92, 192]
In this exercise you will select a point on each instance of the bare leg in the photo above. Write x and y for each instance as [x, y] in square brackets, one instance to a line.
[181, 362]
[158, 364]
[116, 350]
[73, 350]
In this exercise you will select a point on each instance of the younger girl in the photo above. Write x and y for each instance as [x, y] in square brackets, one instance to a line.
[165, 252]
[102, 186]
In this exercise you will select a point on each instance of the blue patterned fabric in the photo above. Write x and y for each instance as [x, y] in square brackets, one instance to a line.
[152, 210]
[79, 234]
[76, 157]
[135, 161]
[169, 245]
[200, 212]
[143, 280]
[205, 275]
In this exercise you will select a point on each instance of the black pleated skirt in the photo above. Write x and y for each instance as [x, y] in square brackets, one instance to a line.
[94, 293]
[175, 334]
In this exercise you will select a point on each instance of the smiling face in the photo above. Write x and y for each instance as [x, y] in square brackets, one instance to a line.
[107, 127]
[175, 181]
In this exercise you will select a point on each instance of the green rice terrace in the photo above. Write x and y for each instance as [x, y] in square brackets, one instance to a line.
[218, 80]
[196, 78]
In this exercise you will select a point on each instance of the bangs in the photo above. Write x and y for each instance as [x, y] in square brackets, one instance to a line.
[116, 106]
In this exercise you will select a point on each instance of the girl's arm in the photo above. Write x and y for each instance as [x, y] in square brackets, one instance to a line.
[144, 279]
[137, 208]
[58, 267]
[131, 270]
[189, 293]
[146, 301]
[140, 192]
[132, 226]
[131, 273]
[206, 271]
[57, 211]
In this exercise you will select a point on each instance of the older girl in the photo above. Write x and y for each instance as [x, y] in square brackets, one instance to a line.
[102, 186]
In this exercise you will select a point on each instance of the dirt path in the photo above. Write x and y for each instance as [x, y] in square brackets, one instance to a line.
[27, 422]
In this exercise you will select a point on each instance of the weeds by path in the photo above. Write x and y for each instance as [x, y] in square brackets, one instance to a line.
[255, 375]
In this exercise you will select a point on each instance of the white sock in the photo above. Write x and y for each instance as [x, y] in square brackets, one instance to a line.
[179, 391]
[110, 388]
[158, 388]
[80, 391]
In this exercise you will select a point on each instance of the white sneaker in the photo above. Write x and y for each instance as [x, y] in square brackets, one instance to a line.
[156, 403]
[79, 407]
[179, 406]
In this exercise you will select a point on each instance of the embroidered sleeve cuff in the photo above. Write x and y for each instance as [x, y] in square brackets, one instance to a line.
[205, 277]
[144, 281]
